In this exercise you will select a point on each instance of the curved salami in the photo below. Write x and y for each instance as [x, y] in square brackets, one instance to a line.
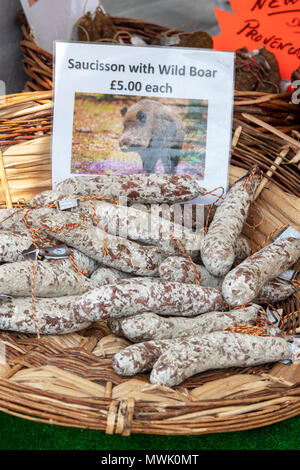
[244, 283]
[151, 189]
[109, 250]
[139, 357]
[218, 252]
[149, 326]
[216, 350]
[130, 297]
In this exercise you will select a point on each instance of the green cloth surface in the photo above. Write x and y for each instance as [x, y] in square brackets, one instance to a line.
[21, 434]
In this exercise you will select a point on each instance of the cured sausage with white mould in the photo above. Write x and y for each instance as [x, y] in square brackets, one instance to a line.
[140, 226]
[139, 357]
[54, 316]
[277, 290]
[133, 296]
[148, 189]
[244, 283]
[150, 326]
[12, 245]
[218, 251]
[49, 278]
[109, 250]
[217, 350]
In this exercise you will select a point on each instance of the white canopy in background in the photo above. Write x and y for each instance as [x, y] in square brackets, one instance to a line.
[52, 20]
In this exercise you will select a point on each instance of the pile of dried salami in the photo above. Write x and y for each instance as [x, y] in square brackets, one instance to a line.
[78, 255]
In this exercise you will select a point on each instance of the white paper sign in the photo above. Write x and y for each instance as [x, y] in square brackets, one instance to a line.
[129, 109]
[52, 20]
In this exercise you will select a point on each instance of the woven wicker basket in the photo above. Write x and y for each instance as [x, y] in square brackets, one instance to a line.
[68, 380]
[38, 63]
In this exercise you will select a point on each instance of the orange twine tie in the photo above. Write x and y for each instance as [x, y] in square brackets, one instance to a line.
[247, 330]
[37, 238]
[186, 255]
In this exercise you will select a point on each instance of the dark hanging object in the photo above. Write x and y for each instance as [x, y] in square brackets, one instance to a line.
[199, 39]
[296, 75]
[86, 28]
[257, 71]
[103, 26]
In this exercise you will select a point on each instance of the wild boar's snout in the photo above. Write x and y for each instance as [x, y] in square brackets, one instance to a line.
[154, 131]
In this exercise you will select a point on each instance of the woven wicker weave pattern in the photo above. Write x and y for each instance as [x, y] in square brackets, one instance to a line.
[68, 380]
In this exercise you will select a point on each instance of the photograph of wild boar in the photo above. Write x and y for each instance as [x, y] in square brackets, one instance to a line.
[116, 134]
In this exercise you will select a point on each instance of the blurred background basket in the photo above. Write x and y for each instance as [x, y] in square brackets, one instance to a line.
[266, 125]
[38, 63]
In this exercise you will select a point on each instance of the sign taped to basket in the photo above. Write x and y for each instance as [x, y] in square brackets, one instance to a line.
[122, 109]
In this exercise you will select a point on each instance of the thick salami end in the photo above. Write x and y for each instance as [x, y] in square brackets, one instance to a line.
[245, 282]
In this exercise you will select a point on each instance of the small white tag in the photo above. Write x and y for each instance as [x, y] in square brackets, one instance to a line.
[294, 345]
[287, 233]
[55, 252]
[272, 316]
[288, 275]
[170, 40]
[5, 297]
[137, 41]
[66, 204]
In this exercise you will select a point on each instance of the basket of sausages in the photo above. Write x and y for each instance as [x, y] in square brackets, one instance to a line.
[121, 318]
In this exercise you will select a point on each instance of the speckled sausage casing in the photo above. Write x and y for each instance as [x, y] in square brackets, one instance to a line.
[12, 245]
[54, 316]
[122, 254]
[135, 296]
[52, 278]
[244, 283]
[215, 350]
[277, 290]
[103, 276]
[218, 252]
[140, 226]
[149, 326]
[151, 189]
[242, 249]
[12, 220]
[180, 269]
